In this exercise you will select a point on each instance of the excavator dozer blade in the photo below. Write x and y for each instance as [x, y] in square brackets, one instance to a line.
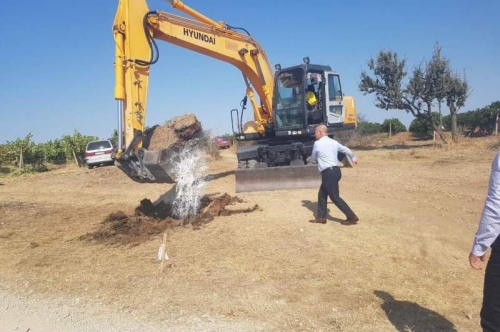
[277, 178]
[160, 166]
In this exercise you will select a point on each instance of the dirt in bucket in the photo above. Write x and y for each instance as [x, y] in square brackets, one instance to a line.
[177, 131]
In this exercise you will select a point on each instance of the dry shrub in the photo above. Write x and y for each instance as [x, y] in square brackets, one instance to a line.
[417, 155]
[206, 142]
[357, 140]
[481, 143]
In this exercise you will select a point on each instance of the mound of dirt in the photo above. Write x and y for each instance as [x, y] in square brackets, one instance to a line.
[120, 228]
[176, 131]
[150, 219]
[162, 210]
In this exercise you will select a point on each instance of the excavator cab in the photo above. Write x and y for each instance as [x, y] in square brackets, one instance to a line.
[317, 83]
[289, 98]
[304, 97]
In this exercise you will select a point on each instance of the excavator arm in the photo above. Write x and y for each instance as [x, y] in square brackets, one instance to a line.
[135, 32]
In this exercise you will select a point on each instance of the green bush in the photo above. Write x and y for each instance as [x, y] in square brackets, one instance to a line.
[422, 127]
[369, 128]
[36, 156]
[481, 120]
[394, 125]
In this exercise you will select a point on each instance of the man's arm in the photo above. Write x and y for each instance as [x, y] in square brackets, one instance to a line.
[489, 226]
[347, 151]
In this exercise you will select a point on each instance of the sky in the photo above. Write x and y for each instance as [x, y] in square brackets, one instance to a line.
[57, 57]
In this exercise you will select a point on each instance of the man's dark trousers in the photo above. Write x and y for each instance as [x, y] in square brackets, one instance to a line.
[490, 312]
[330, 178]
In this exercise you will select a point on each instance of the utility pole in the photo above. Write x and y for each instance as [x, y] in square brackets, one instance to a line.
[440, 117]
[21, 159]
[496, 125]
[390, 128]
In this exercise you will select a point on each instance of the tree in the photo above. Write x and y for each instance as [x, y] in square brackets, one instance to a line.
[422, 127]
[21, 149]
[75, 146]
[367, 128]
[482, 119]
[114, 138]
[232, 137]
[393, 125]
[429, 82]
[31, 157]
[450, 86]
[25, 154]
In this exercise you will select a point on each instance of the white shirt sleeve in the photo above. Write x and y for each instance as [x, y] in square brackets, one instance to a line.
[314, 154]
[347, 151]
[489, 226]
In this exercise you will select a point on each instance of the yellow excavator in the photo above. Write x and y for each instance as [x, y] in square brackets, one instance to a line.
[284, 122]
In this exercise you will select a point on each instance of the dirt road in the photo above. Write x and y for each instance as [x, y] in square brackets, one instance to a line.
[403, 268]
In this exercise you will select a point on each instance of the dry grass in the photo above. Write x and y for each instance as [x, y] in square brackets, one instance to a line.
[213, 151]
[403, 268]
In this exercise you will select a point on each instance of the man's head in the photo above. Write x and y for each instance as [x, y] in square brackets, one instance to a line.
[320, 131]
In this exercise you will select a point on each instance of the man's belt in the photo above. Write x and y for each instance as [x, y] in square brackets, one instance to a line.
[329, 168]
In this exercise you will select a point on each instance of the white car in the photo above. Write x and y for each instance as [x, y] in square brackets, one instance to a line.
[98, 153]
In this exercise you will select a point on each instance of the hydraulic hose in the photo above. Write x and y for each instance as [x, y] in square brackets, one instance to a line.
[236, 28]
[155, 53]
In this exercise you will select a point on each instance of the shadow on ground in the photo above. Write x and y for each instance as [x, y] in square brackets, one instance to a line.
[313, 207]
[409, 316]
[213, 177]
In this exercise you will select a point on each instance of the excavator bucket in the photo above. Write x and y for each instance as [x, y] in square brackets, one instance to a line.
[277, 178]
[160, 166]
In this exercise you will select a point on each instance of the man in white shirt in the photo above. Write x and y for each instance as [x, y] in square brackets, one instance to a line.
[487, 237]
[325, 152]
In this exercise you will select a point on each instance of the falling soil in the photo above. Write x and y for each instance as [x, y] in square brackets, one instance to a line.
[152, 219]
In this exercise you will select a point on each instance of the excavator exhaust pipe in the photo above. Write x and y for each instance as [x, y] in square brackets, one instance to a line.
[277, 178]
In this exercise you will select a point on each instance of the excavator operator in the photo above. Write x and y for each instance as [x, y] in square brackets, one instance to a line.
[314, 116]
[311, 98]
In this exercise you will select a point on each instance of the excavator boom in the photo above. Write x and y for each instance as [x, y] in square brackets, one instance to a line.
[135, 30]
